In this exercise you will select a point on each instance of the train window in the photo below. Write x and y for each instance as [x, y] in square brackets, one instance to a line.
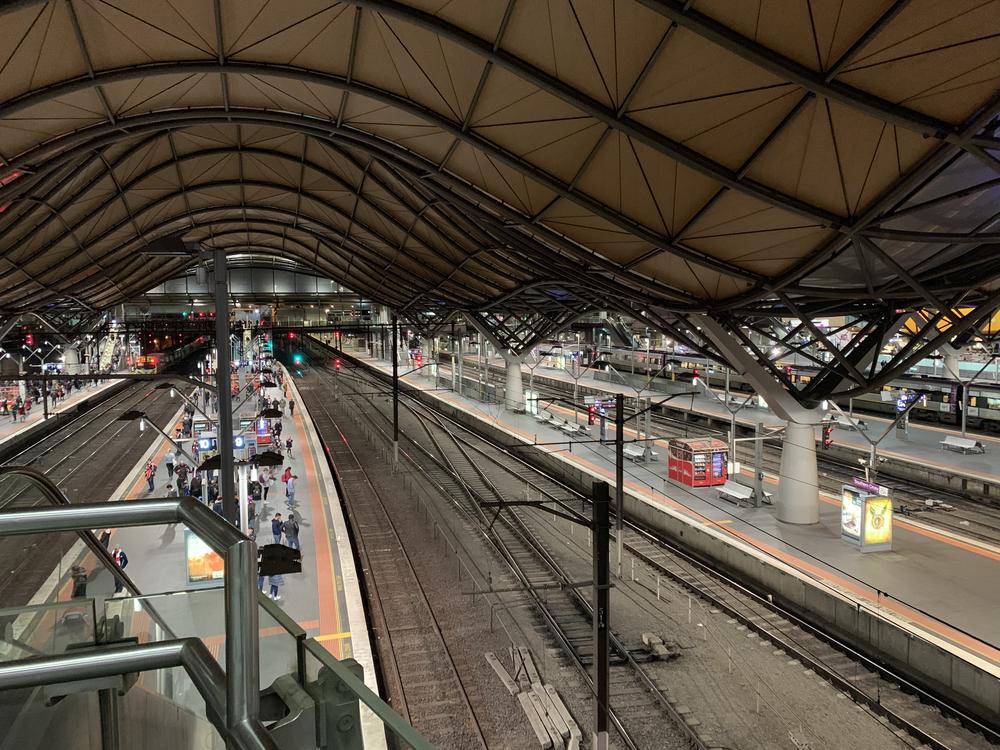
[804, 378]
[945, 398]
[972, 400]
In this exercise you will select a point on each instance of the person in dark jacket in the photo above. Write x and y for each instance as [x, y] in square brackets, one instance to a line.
[291, 529]
[276, 528]
[121, 560]
[79, 582]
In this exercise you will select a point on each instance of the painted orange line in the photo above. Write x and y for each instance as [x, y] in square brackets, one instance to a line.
[326, 588]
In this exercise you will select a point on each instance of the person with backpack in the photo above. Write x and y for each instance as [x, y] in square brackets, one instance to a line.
[276, 528]
[290, 489]
[150, 473]
[288, 447]
[291, 530]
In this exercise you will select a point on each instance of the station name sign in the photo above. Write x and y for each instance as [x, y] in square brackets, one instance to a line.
[874, 489]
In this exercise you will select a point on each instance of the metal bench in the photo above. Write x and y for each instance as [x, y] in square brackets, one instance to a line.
[842, 422]
[634, 453]
[735, 492]
[962, 445]
[571, 428]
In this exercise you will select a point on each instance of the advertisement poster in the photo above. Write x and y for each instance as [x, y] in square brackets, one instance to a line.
[878, 522]
[204, 566]
[851, 505]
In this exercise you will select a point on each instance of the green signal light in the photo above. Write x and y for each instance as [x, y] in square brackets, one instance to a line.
[297, 359]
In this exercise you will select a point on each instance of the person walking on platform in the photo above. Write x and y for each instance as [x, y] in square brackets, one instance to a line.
[121, 560]
[291, 529]
[195, 488]
[171, 492]
[264, 477]
[276, 528]
[291, 407]
[290, 489]
[150, 473]
[276, 581]
[79, 582]
[105, 538]
[169, 460]
[288, 447]
[182, 470]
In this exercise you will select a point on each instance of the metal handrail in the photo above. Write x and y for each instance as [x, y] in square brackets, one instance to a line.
[189, 653]
[56, 497]
[379, 707]
[240, 554]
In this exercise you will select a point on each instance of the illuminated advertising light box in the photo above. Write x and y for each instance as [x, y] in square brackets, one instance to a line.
[878, 524]
[865, 519]
[851, 512]
[205, 567]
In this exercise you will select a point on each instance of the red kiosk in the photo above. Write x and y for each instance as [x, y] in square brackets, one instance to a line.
[698, 462]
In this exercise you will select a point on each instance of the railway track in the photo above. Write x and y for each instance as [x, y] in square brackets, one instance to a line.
[423, 681]
[638, 707]
[928, 722]
[85, 458]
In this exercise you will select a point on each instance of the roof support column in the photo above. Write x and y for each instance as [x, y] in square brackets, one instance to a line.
[514, 392]
[798, 488]
[223, 387]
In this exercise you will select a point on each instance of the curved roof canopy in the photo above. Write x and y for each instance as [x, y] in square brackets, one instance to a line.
[706, 155]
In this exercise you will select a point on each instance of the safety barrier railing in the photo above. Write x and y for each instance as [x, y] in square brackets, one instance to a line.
[306, 696]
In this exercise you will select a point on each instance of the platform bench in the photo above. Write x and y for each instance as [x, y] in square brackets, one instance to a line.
[845, 424]
[735, 492]
[632, 453]
[962, 445]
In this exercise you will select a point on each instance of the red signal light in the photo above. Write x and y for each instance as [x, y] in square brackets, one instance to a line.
[827, 436]
[336, 364]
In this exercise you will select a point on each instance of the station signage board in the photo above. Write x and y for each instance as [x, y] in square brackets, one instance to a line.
[870, 487]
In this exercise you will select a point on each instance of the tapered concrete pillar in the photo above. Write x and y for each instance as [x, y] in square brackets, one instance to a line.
[798, 490]
[952, 369]
[71, 361]
[514, 392]
[798, 481]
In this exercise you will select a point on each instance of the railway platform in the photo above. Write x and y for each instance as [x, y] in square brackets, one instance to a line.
[930, 583]
[324, 600]
[919, 447]
[10, 430]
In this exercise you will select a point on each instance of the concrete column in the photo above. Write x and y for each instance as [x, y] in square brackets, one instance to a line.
[798, 481]
[514, 392]
[71, 361]
[951, 363]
